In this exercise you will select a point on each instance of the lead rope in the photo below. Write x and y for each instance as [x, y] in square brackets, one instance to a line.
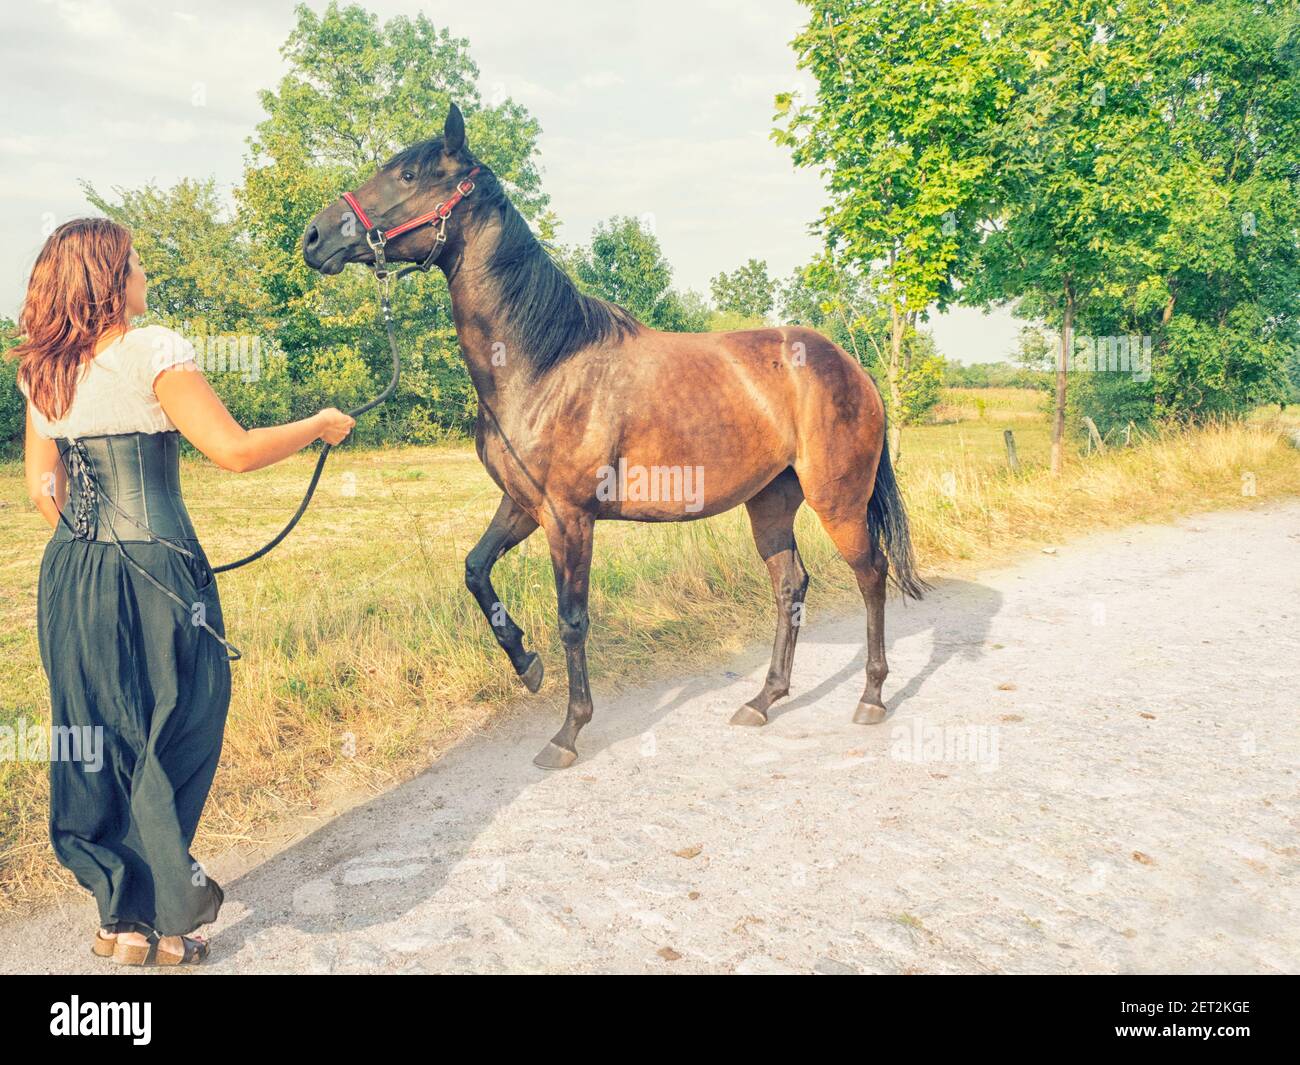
[376, 237]
[89, 493]
[89, 489]
[387, 312]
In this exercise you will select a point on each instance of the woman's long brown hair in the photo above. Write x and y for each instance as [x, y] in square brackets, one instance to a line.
[77, 292]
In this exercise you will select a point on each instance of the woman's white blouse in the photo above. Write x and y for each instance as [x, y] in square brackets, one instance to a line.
[114, 391]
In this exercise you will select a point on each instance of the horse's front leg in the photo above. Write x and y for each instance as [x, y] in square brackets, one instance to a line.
[510, 526]
[570, 537]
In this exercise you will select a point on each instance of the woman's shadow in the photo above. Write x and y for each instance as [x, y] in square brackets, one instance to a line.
[380, 860]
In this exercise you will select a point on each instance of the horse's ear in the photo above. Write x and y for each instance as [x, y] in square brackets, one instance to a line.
[453, 132]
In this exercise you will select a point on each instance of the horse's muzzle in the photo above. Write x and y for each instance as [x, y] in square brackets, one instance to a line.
[315, 255]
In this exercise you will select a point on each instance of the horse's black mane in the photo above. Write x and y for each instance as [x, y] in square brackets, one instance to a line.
[550, 317]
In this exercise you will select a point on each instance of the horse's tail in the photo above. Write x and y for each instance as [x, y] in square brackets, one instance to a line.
[887, 523]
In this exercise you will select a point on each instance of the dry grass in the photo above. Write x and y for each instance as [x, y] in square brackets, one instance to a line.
[1008, 407]
[365, 657]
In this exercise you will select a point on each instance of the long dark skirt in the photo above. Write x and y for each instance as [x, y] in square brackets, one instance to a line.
[148, 690]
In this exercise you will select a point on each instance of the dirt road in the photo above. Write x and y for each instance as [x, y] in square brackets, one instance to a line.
[1091, 764]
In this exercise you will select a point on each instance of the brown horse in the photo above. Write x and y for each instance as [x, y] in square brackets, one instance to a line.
[586, 414]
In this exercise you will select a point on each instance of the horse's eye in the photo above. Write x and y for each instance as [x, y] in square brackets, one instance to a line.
[408, 175]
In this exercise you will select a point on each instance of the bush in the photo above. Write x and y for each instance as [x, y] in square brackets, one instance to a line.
[919, 388]
[1110, 399]
[13, 408]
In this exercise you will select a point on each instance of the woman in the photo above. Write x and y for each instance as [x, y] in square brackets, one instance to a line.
[128, 617]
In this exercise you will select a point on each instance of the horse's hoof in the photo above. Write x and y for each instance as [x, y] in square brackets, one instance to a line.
[747, 715]
[553, 756]
[868, 714]
[532, 674]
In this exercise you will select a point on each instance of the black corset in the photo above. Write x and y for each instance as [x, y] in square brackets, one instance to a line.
[139, 474]
[126, 488]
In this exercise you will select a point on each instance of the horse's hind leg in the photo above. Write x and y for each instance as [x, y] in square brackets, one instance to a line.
[871, 580]
[771, 515]
[510, 526]
[847, 527]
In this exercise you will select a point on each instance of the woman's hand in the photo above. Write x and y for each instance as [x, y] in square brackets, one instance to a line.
[335, 425]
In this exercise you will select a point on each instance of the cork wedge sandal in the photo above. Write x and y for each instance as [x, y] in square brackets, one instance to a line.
[195, 950]
[105, 945]
[135, 953]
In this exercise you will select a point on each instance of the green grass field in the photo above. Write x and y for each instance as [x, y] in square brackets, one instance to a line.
[364, 655]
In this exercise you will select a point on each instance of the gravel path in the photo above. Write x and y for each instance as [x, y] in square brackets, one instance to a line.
[1091, 764]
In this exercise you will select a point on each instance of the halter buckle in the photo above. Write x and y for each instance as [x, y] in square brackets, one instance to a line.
[376, 239]
[439, 239]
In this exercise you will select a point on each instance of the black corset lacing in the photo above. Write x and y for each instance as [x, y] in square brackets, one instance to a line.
[84, 525]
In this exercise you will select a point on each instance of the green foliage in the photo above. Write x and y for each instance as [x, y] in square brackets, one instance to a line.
[356, 92]
[840, 304]
[696, 314]
[993, 375]
[907, 92]
[1035, 351]
[731, 321]
[1148, 180]
[625, 265]
[921, 385]
[1128, 166]
[746, 291]
[1210, 369]
[198, 260]
[1111, 400]
[13, 408]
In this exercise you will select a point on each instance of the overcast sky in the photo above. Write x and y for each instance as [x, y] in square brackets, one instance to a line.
[660, 108]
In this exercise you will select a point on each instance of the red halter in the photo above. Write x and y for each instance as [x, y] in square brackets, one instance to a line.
[373, 234]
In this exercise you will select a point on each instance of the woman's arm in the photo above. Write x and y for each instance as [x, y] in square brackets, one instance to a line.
[188, 399]
[47, 484]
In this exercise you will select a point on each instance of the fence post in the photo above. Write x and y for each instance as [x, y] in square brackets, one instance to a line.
[1094, 437]
[1013, 460]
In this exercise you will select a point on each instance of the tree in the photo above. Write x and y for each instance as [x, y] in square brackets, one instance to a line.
[1224, 289]
[13, 407]
[1077, 162]
[355, 93]
[696, 315]
[907, 91]
[1147, 198]
[625, 265]
[747, 290]
[199, 260]
[921, 385]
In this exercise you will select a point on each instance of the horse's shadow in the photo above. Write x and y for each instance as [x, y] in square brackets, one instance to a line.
[957, 614]
[382, 859]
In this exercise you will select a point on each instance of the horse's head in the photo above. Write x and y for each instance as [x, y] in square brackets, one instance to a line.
[413, 183]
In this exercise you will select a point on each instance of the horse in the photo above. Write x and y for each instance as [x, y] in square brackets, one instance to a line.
[585, 414]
